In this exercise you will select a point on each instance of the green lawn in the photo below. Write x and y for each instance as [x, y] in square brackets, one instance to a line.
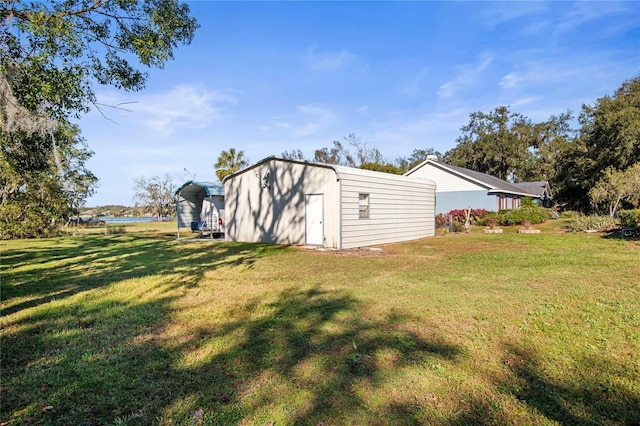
[138, 328]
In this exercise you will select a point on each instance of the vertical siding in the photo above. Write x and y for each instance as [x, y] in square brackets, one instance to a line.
[277, 214]
[187, 212]
[401, 208]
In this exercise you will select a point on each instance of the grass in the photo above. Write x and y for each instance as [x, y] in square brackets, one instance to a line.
[138, 328]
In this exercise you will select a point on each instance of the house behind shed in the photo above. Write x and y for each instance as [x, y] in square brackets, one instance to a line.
[460, 188]
[199, 201]
[296, 202]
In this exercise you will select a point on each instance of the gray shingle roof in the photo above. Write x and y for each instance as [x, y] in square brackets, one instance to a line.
[492, 183]
[538, 187]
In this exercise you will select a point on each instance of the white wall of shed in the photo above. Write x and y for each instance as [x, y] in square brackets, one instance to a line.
[401, 208]
[277, 214]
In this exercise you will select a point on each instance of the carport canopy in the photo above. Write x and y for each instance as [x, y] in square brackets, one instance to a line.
[189, 198]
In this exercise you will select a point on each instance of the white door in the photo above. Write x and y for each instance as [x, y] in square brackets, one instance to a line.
[313, 219]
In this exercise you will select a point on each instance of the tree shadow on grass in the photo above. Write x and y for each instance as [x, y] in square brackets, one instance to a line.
[315, 344]
[76, 265]
[598, 392]
[300, 358]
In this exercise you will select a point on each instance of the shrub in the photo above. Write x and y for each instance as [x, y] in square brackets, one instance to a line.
[629, 218]
[491, 219]
[533, 214]
[117, 229]
[592, 223]
[569, 214]
[460, 215]
[457, 226]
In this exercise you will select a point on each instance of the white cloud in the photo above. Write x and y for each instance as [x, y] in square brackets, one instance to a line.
[309, 119]
[511, 80]
[329, 61]
[413, 87]
[185, 106]
[409, 130]
[500, 12]
[465, 76]
[557, 18]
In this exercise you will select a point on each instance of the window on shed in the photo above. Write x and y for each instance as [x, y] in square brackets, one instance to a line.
[363, 206]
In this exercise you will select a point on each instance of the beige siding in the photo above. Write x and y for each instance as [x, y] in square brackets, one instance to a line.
[446, 181]
[277, 214]
[401, 208]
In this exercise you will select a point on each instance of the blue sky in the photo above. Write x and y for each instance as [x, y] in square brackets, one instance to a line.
[265, 77]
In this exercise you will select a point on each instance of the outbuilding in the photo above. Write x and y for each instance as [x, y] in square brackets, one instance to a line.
[200, 207]
[303, 203]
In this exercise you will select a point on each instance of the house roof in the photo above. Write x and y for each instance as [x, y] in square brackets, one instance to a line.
[492, 183]
[210, 188]
[541, 188]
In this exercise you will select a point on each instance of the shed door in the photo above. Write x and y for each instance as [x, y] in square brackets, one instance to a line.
[313, 219]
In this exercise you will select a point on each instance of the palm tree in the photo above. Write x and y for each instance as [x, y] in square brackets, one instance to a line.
[230, 162]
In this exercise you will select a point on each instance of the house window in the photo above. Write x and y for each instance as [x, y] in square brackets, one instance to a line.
[363, 206]
[503, 202]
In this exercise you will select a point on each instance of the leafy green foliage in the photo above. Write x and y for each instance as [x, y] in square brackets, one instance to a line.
[616, 187]
[629, 218]
[508, 145]
[592, 223]
[533, 215]
[528, 213]
[609, 135]
[230, 162]
[418, 156]
[52, 52]
[42, 186]
[385, 168]
[51, 55]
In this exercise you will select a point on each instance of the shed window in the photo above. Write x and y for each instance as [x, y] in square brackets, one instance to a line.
[363, 206]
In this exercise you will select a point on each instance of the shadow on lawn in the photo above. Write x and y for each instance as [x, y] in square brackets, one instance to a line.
[594, 394]
[91, 262]
[318, 347]
[309, 355]
[96, 361]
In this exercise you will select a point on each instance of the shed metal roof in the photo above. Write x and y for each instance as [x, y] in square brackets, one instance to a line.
[210, 188]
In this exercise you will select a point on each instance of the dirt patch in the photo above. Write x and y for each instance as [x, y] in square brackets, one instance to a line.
[384, 251]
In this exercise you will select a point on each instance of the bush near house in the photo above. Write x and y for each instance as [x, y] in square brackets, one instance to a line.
[533, 214]
[592, 223]
[629, 218]
[459, 217]
[528, 212]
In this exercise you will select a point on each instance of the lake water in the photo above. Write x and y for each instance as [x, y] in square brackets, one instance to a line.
[139, 219]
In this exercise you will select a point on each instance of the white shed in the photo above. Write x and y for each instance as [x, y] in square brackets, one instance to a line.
[201, 203]
[296, 202]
